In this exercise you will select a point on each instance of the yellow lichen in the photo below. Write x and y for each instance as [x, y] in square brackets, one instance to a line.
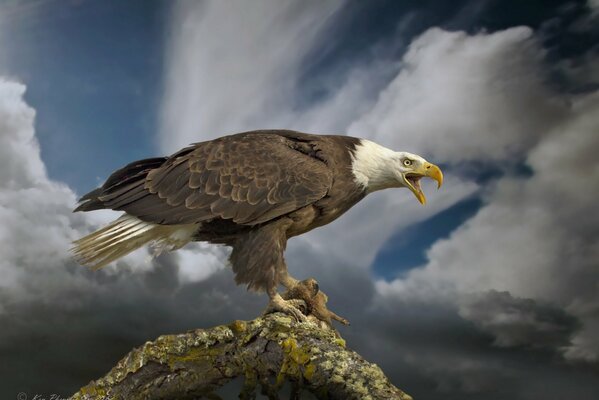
[296, 361]
[238, 326]
[190, 355]
[309, 371]
[95, 391]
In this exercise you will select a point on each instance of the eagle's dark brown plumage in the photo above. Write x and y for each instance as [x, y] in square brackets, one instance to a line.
[251, 191]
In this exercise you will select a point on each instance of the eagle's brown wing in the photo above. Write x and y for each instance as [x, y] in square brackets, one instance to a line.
[249, 178]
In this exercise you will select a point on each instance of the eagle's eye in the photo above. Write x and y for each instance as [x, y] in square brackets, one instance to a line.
[407, 163]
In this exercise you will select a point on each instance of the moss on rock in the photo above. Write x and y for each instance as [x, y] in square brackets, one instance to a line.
[194, 364]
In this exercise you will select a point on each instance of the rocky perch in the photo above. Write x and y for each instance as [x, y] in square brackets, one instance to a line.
[267, 352]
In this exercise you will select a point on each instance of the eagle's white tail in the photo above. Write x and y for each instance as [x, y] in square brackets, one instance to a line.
[126, 234]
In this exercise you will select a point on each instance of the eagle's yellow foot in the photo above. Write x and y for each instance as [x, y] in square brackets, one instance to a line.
[315, 300]
[291, 307]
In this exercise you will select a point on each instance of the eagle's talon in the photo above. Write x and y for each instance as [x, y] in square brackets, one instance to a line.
[340, 319]
[291, 307]
[313, 301]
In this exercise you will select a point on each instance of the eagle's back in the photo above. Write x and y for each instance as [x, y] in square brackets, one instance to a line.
[248, 178]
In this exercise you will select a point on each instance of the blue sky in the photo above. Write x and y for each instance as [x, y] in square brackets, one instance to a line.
[474, 292]
[93, 71]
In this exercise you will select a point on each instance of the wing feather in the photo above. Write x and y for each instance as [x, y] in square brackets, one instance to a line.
[249, 178]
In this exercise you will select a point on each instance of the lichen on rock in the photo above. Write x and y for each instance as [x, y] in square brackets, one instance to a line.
[266, 351]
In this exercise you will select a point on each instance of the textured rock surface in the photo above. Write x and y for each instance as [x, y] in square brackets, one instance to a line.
[266, 351]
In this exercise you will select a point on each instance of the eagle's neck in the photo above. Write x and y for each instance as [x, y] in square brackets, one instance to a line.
[374, 166]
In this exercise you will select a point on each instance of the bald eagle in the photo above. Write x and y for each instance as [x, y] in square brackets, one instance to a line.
[251, 191]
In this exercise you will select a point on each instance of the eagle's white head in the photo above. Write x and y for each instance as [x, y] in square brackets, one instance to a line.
[376, 167]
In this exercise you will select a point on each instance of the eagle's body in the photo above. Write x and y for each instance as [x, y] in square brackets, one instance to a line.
[251, 191]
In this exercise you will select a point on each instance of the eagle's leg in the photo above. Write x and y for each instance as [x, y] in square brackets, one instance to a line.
[291, 306]
[287, 280]
[257, 260]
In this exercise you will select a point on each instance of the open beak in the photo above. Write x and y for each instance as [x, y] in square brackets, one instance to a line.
[413, 179]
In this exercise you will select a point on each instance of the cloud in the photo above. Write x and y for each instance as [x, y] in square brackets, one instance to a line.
[36, 212]
[233, 64]
[535, 237]
[198, 261]
[463, 97]
[514, 322]
[18, 139]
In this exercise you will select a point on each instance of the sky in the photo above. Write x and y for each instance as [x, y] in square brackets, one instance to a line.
[491, 291]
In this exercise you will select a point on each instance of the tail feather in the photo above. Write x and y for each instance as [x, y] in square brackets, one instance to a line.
[126, 234]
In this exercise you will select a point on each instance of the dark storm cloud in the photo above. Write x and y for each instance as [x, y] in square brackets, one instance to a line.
[426, 349]
[436, 354]
[49, 347]
[519, 322]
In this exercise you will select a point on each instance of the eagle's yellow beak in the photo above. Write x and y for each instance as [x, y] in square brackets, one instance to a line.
[413, 179]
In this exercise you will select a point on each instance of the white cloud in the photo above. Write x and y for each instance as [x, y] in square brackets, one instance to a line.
[463, 97]
[35, 211]
[233, 63]
[197, 262]
[38, 225]
[21, 165]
